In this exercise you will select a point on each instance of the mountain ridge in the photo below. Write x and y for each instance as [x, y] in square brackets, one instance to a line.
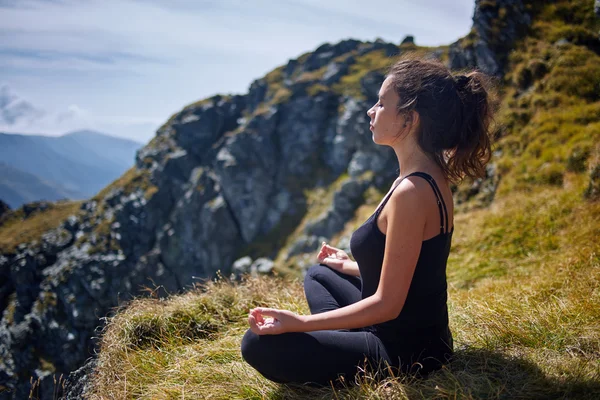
[74, 165]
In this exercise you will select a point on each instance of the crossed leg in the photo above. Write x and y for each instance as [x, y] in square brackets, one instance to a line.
[319, 356]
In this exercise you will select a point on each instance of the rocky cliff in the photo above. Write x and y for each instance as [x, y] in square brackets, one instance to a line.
[225, 178]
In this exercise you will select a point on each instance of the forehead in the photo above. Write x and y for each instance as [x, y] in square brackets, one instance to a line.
[386, 88]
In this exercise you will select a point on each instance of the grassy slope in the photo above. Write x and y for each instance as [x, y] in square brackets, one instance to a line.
[524, 274]
[16, 229]
[523, 309]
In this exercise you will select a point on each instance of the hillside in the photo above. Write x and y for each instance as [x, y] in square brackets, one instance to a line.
[236, 176]
[18, 187]
[76, 165]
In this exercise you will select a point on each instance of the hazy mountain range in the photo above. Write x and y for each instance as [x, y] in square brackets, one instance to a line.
[75, 165]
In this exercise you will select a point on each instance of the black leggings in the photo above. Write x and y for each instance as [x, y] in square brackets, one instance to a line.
[319, 356]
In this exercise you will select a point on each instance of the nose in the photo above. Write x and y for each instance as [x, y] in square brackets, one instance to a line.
[369, 112]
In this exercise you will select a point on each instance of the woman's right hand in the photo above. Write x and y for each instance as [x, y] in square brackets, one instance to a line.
[332, 257]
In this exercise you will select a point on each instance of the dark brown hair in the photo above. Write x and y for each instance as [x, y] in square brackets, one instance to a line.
[455, 113]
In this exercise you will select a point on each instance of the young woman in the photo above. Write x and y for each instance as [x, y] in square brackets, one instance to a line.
[388, 308]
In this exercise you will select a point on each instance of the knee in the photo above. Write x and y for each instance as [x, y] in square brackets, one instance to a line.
[250, 347]
[316, 272]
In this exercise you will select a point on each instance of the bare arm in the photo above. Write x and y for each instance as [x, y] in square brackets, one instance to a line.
[403, 244]
[406, 224]
[350, 268]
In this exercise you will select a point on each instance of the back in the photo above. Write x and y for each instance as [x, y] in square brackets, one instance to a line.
[424, 315]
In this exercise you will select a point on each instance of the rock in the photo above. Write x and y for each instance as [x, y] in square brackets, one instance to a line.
[408, 40]
[256, 94]
[289, 69]
[202, 245]
[6, 285]
[390, 49]
[488, 47]
[561, 42]
[345, 134]
[306, 244]
[299, 132]
[593, 189]
[245, 168]
[326, 52]
[78, 383]
[370, 84]
[196, 129]
[279, 204]
[335, 70]
[242, 266]
[4, 209]
[30, 208]
[179, 164]
[262, 266]
[345, 201]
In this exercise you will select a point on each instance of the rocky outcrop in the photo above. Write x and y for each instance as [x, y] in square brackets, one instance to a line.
[496, 26]
[4, 209]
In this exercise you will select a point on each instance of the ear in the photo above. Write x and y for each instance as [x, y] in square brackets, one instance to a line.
[409, 118]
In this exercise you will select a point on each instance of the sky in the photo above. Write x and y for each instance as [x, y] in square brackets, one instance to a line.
[123, 67]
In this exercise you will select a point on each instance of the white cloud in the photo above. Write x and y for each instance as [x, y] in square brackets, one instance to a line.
[27, 119]
[72, 112]
[14, 110]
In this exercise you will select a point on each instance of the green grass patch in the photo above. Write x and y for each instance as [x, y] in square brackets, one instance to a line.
[17, 228]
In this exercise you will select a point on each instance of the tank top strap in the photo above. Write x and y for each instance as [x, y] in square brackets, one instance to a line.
[387, 197]
[440, 199]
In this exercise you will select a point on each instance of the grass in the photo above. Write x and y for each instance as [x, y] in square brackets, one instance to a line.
[17, 229]
[526, 325]
[130, 181]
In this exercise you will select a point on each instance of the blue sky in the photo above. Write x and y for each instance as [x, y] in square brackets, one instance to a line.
[124, 66]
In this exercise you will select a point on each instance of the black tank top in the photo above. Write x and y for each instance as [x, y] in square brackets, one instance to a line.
[423, 321]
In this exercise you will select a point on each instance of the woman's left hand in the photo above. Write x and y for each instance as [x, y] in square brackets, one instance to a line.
[269, 321]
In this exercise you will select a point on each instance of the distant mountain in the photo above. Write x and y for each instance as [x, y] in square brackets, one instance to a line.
[76, 165]
[18, 187]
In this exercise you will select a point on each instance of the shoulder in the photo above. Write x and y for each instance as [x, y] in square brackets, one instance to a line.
[408, 202]
[410, 191]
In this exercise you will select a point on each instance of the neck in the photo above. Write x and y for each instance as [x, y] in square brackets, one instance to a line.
[411, 158]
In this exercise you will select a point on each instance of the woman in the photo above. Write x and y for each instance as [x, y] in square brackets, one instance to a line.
[388, 309]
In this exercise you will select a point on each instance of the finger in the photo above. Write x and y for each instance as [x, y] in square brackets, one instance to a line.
[253, 325]
[271, 327]
[258, 316]
[268, 312]
[265, 310]
[321, 255]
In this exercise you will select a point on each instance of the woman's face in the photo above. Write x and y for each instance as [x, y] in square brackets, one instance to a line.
[386, 124]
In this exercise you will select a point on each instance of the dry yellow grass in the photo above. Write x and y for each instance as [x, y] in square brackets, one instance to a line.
[529, 327]
[16, 229]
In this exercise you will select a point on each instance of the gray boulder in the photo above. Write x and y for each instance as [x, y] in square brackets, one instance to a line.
[494, 33]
